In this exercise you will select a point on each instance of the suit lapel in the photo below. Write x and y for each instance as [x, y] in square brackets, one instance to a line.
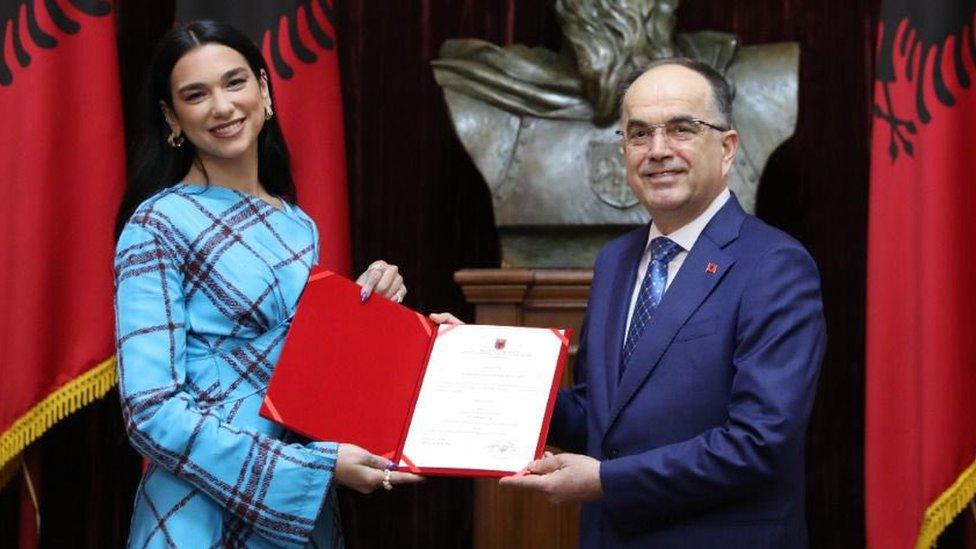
[702, 270]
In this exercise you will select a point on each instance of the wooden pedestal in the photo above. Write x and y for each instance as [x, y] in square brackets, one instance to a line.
[505, 518]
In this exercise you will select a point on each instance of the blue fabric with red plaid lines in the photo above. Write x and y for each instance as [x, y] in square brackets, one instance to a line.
[207, 280]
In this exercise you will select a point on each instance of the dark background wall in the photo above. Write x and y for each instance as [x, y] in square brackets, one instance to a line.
[417, 201]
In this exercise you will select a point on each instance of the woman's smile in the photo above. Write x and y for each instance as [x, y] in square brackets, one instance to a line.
[228, 130]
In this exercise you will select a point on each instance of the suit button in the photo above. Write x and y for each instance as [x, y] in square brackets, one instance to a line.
[613, 453]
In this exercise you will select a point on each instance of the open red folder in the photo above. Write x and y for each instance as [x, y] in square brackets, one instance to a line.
[352, 372]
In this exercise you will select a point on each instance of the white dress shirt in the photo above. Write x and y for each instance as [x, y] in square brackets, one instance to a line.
[685, 237]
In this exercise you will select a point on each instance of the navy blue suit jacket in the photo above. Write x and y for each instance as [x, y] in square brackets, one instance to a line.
[701, 441]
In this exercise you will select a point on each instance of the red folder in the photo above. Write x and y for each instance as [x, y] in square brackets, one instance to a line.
[351, 372]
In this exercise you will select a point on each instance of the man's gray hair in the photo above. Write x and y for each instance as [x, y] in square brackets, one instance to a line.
[722, 92]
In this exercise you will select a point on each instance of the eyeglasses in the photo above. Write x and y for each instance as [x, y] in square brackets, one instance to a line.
[681, 129]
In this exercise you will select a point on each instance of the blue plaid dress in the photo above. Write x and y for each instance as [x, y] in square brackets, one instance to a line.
[207, 280]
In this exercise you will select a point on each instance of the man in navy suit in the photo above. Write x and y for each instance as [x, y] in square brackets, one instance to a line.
[700, 351]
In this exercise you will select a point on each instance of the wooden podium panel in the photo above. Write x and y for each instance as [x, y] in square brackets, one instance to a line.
[503, 517]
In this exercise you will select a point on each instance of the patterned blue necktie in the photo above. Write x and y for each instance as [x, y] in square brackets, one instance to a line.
[655, 280]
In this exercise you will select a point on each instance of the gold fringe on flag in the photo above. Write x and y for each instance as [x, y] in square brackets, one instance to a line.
[946, 507]
[78, 392]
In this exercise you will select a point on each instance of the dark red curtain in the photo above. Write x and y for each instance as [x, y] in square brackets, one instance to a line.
[417, 201]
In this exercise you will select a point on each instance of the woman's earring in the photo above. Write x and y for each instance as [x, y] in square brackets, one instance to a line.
[175, 140]
[268, 112]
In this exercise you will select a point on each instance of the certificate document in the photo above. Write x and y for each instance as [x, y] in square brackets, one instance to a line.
[464, 400]
[485, 398]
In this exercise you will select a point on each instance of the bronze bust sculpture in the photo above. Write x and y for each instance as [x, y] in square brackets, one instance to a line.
[540, 125]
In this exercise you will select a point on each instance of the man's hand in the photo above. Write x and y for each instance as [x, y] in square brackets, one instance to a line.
[562, 478]
[445, 318]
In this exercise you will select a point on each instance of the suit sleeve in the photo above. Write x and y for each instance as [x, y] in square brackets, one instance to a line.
[779, 347]
[568, 427]
[277, 488]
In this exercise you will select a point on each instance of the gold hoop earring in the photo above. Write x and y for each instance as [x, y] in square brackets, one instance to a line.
[268, 112]
[175, 140]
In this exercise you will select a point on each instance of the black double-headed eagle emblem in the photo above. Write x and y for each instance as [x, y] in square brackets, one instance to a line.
[910, 31]
[17, 15]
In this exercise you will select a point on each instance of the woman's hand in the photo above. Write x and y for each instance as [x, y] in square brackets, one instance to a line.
[382, 278]
[365, 472]
[445, 318]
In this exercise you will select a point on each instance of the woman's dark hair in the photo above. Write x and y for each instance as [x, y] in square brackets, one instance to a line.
[153, 164]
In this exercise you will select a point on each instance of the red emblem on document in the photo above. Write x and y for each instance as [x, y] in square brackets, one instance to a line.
[499, 344]
[711, 268]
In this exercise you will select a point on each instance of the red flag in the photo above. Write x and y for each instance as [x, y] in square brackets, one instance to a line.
[63, 166]
[921, 339]
[297, 38]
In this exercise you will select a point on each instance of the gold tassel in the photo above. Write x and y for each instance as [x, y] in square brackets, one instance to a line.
[78, 392]
[946, 507]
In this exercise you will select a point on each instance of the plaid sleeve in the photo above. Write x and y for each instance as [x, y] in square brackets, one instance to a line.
[277, 489]
[317, 254]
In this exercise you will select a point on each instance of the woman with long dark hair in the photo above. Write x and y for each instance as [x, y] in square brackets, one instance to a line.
[212, 255]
